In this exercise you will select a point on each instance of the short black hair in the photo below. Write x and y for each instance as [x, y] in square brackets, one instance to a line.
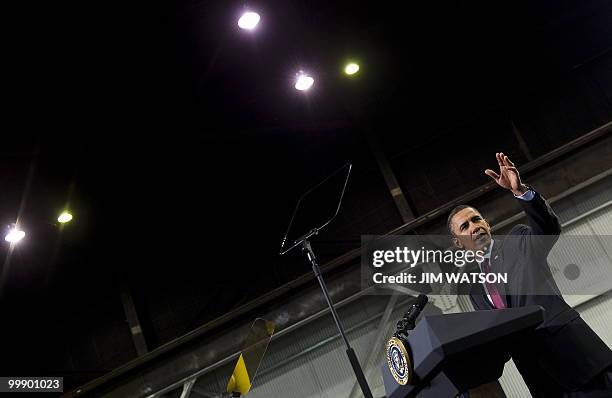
[456, 210]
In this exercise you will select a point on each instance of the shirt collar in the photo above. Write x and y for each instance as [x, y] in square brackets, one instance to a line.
[488, 253]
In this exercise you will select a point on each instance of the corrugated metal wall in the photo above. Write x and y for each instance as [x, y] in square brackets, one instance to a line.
[323, 369]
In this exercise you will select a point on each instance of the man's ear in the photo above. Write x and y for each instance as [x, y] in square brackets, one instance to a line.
[457, 243]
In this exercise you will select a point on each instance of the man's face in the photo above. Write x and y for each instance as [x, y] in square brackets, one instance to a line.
[471, 231]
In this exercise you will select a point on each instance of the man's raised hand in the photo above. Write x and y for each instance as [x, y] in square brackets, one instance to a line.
[508, 176]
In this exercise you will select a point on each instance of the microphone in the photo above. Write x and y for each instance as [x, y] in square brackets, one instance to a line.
[409, 320]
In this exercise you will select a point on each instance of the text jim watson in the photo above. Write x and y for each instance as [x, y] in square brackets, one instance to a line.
[447, 277]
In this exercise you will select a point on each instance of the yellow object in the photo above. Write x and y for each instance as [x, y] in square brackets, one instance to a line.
[240, 380]
[254, 348]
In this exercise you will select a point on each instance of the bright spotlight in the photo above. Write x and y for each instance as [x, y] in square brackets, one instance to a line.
[304, 82]
[248, 20]
[14, 235]
[351, 68]
[64, 217]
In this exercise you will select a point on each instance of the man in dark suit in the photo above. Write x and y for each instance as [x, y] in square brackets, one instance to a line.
[563, 357]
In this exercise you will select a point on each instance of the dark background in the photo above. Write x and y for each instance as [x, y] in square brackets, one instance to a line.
[181, 146]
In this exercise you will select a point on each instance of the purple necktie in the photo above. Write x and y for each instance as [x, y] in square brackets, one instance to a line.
[498, 303]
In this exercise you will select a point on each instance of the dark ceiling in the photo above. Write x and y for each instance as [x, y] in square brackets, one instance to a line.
[181, 145]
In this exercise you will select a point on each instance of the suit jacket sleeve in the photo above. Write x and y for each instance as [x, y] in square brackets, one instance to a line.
[544, 226]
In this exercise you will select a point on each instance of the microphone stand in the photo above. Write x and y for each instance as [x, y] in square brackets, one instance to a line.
[306, 247]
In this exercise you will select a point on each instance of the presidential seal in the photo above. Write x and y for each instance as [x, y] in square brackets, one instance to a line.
[398, 361]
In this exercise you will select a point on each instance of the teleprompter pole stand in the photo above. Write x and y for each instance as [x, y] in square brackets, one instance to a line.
[365, 388]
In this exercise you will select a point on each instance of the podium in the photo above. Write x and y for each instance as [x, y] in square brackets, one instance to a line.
[452, 353]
